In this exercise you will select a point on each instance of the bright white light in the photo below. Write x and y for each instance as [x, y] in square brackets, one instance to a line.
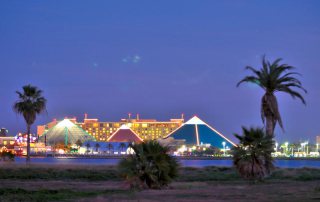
[195, 121]
[61, 151]
[66, 123]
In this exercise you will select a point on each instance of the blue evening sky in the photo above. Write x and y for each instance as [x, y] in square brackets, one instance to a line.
[158, 59]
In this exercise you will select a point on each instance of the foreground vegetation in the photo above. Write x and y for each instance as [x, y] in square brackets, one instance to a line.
[252, 157]
[149, 167]
[82, 183]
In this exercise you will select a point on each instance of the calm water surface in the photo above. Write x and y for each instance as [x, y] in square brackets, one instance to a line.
[186, 163]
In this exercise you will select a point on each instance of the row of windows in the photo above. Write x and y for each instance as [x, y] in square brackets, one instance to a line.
[134, 125]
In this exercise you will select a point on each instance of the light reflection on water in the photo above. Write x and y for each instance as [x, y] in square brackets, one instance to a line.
[186, 163]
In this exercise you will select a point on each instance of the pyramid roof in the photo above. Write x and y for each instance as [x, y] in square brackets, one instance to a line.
[124, 134]
[65, 131]
[197, 132]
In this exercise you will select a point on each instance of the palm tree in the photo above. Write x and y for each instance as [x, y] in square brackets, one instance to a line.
[252, 157]
[79, 143]
[122, 146]
[30, 103]
[272, 78]
[97, 146]
[110, 147]
[150, 166]
[88, 146]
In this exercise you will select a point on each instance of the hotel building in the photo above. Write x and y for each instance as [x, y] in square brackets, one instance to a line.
[147, 129]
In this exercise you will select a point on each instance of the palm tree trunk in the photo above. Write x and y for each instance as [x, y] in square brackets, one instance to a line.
[269, 125]
[28, 144]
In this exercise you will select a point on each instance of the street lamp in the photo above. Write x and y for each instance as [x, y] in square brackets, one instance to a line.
[224, 148]
[276, 146]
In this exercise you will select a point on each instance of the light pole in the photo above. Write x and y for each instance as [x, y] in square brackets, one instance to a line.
[224, 148]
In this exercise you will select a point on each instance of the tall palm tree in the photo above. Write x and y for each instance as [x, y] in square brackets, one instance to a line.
[272, 78]
[30, 103]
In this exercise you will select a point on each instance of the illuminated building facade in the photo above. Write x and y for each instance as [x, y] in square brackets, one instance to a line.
[318, 139]
[197, 132]
[7, 142]
[147, 129]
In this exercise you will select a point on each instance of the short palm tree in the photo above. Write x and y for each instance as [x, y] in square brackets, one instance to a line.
[122, 146]
[272, 78]
[97, 146]
[79, 143]
[30, 103]
[149, 167]
[88, 147]
[252, 157]
[110, 147]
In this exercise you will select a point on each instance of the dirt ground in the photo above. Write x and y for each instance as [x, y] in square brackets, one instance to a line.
[182, 191]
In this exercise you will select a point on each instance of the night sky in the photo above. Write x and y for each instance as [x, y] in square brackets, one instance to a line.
[159, 59]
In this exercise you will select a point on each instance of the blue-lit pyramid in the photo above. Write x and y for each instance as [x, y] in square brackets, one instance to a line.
[197, 132]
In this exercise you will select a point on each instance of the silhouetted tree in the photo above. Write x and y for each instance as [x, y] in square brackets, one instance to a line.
[272, 78]
[30, 103]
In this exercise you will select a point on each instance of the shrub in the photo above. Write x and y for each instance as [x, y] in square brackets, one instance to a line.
[7, 155]
[252, 157]
[149, 167]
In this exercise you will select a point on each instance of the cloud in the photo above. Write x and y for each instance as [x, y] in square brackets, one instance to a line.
[132, 59]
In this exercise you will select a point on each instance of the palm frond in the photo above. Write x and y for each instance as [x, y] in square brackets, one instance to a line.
[250, 79]
[294, 94]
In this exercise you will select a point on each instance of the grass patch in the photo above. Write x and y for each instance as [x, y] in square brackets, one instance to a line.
[208, 174]
[60, 173]
[110, 173]
[298, 174]
[18, 194]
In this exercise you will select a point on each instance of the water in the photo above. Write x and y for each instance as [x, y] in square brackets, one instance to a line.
[186, 163]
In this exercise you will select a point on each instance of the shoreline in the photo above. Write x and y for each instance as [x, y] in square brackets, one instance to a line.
[177, 157]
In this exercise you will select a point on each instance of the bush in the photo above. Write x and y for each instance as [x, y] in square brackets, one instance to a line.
[7, 155]
[149, 167]
[252, 157]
